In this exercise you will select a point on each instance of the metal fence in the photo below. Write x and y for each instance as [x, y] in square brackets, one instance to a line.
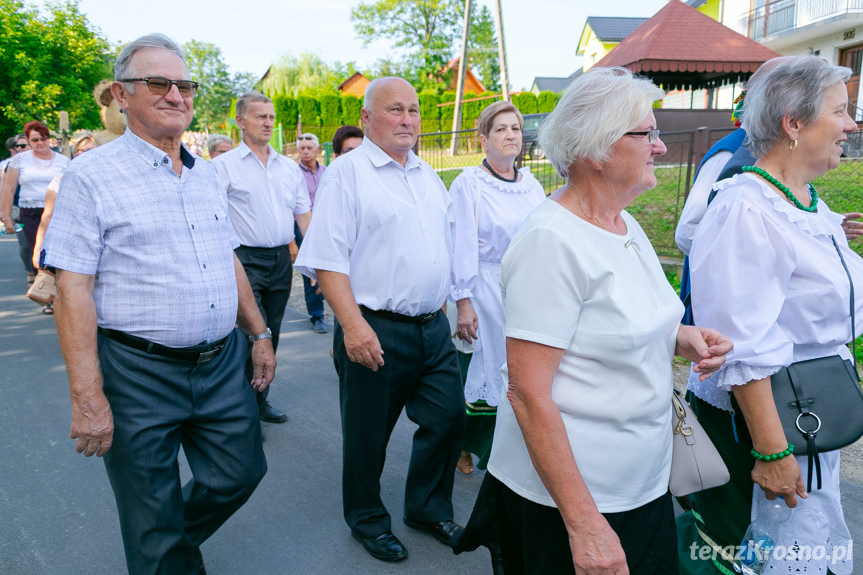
[658, 209]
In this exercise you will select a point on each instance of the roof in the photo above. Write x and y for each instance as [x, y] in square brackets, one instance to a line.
[543, 83]
[613, 28]
[679, 47]
[353, 78]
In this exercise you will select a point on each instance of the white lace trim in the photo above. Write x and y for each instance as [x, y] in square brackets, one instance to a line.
[714, 390]
[524, 185]
[821, 223]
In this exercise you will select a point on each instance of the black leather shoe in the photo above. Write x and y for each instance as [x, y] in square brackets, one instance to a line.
[445, 531]
[270, 414]
[384, 546]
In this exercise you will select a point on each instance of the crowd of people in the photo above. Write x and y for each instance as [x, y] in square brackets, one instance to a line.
[564, 393]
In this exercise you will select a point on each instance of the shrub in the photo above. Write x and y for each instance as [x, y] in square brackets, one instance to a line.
[331, 110]
[525, 102]
[308, 108]
[546, 101]
[286, 111]
[351, 106]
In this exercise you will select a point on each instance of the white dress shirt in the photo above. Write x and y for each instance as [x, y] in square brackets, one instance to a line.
[386, 227]
[263, 199]
[34, 175]
[603, 299]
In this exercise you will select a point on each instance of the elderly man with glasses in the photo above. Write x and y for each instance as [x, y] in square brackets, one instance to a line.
[148, 292]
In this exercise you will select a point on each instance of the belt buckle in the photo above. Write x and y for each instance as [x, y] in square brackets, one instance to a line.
[206, 356]
[424, 319]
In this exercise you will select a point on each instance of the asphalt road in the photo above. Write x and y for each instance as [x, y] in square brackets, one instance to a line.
[57, 511]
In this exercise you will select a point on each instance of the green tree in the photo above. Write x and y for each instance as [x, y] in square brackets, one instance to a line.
[304, 75]
[49, 61]
[526, 102]
[216, 89]
[351, 106]
[308, 110]
[427, 33]
[482, 48]
[331, 110]
[546, 101]
[286, 111]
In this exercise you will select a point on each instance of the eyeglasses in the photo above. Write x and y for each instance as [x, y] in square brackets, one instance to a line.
[306, 138]
[160, 86]
[20, 146]
[652, 135]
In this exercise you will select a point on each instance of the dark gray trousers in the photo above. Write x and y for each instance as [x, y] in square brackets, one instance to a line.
[421, 375]
[158, 405]
[270, 274]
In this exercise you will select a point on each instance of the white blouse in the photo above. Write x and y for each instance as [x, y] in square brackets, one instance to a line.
[503, 206]
[34, 175]
[766, 275]
[604, 299]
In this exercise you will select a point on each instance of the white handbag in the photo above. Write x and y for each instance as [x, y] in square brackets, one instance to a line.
[695, 463]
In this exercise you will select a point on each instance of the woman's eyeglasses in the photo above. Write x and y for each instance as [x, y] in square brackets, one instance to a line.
[652, 135]
[160, 86]
[20, 146]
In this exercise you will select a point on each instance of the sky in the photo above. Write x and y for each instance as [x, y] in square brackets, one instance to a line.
[541, 35]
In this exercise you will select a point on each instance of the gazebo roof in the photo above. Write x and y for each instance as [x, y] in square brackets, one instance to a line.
[679, 48]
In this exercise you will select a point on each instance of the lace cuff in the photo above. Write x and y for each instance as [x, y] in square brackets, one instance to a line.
[714, 390]
[457, 294]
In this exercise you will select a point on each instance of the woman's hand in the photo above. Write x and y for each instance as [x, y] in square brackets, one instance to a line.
[780, 478]
[852, 228]
[703, 346]
[466, 322]
[596, 549]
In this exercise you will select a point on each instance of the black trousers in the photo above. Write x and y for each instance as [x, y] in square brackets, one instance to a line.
[420, 374]
[532, 539]
[158, 405]
[270, 274]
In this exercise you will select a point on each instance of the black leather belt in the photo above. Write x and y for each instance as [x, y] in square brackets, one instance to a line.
[197, 354]
[393, 316]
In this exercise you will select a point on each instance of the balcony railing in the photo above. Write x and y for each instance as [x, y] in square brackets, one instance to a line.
[785, 15]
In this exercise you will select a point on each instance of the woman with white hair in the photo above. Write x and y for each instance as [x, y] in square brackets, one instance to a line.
[766, 272]
[579, 469]
[490, 201]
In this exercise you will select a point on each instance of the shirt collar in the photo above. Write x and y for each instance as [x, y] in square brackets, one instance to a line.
[245, 150]
[380, 158]
[153, 155]
[304, 168]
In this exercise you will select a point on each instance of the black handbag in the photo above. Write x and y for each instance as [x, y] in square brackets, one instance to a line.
[819, 401]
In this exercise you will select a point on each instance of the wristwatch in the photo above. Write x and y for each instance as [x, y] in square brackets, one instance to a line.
[263, 335]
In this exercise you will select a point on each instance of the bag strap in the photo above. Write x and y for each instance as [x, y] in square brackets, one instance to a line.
[850, 283]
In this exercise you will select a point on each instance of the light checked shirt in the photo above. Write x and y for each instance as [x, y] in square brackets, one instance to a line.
[384, 226]
[160, 245]
[263, 199]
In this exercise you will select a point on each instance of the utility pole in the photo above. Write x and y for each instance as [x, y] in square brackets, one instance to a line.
[459, 90]
[501, 51]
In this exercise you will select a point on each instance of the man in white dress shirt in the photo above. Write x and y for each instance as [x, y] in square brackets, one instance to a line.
[266, 193]
[380, 249]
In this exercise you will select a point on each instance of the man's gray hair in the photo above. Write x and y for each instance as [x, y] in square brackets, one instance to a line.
[215, 139]
[596, 110]
[309, 136]
[247, 98]
[123, 66]
[793, 88]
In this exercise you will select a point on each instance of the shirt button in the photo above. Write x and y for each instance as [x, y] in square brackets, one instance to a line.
[193, 226]
[205, 266]
[164, 160]
[155, 164]
[212, 306]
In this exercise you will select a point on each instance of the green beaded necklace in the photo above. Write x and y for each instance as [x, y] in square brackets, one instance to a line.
[813, 193]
